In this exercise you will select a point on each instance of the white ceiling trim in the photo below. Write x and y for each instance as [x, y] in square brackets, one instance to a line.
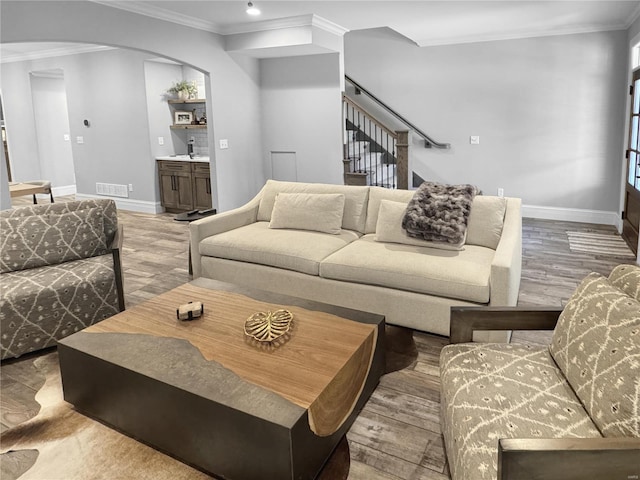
[161, 14]
[519, 35]
[287, 22]
[52, 52]
[633, 17]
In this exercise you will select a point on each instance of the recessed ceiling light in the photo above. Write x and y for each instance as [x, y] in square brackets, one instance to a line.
[252, 10]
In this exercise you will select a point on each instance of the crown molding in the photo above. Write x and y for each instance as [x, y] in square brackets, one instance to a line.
[286, 22]
[520, 35]
[53, 52]
[633, 17]
[161, 14]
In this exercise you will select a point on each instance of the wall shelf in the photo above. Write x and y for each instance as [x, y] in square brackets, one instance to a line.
[191, 100]
[185, 127]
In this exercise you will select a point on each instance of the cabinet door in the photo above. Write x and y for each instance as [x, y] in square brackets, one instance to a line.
[184, 190]
[168, 189]
[201, 191]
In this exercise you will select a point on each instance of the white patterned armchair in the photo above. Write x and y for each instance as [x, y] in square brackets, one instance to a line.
[60, 271]
[567, 411]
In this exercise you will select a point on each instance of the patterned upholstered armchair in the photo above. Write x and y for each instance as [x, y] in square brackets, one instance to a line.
[567, 411]
[60, 272]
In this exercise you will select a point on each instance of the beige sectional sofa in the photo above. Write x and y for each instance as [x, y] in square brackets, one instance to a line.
[412, 285]
[567, 411]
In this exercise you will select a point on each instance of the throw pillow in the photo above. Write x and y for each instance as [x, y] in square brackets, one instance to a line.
[319, 212]
[39, 240]
[627, 279]
[486, 220]
[389, 228]
[596, 344]
[439, 213]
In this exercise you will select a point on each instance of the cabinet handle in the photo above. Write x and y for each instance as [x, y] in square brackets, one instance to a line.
[173, 182]
[208, 183]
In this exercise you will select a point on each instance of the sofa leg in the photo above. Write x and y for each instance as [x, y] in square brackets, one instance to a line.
[35, 201]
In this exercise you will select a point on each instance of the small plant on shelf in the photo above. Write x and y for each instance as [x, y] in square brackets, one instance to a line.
[184, 89]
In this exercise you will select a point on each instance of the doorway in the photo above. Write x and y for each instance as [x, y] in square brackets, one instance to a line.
[631, 220]
[51, 121]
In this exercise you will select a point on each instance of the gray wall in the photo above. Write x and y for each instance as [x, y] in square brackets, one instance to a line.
[547, 110]
[233, 83]
[301, 112]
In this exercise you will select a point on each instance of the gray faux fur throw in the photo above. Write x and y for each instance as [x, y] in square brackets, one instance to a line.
[439, 213]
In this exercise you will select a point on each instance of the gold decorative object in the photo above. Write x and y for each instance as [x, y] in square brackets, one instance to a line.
[270, 328]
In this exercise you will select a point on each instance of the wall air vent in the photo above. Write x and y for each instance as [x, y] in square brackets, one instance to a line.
[112, 190]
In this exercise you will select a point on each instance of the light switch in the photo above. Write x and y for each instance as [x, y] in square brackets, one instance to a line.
[79, 139]
[224, 143]
[67, 137]
[160, 140]
[474, 140]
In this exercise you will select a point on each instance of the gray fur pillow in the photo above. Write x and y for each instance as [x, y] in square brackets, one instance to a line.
[439, 212]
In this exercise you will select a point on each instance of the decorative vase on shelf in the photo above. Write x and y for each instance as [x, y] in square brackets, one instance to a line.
[183, 95]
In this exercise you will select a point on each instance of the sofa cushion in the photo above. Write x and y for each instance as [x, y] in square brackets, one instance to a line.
[596, 344]
[376, 195]
[38, 240]
[627, 279]
[318, 212]
[355, 200]
[462, 275]
[40, 305]
[107, 206]
[389, 228]
[493, 391]
[486, 220]
[298, 250]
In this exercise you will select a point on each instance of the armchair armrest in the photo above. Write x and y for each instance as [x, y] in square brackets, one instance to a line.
[116, 248]
[464, 320]
[506, 267]
[569, 458]
[223, 222]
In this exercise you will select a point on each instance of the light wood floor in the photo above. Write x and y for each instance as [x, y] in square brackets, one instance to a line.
[397, 435]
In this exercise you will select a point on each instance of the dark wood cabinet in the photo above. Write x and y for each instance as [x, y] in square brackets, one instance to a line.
[184, 185]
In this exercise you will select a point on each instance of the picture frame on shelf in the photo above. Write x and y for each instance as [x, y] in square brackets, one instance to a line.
[182, 117]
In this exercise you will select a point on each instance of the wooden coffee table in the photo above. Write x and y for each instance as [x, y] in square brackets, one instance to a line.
[199, 391]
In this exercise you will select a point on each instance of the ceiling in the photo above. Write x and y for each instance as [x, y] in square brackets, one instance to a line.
[426, 23]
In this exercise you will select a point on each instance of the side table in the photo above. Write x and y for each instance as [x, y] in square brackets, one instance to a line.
[190, 217]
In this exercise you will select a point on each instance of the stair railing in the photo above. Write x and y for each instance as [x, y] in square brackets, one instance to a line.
[428, 141]
[370, 148]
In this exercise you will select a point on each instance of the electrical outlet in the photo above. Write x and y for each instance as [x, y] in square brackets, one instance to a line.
[500, 192]
[160, 140]
[131, 187]
[67, 137]
[474, 140]
[224, 143]
[79, 139]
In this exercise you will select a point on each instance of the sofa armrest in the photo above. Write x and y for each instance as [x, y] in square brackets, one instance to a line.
[464, 320]
[215, 224]
[569, 458]
[506, 267]
[116, 249]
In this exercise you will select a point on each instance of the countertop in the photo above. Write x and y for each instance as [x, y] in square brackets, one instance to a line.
[184, 158]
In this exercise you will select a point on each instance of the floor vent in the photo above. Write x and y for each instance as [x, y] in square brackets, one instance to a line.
[112, 190]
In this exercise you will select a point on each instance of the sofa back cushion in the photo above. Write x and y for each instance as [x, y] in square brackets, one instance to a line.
[38, 240]
[596, 344]
[355, 200]
[486, 220]
[318, 212]
[106, 206]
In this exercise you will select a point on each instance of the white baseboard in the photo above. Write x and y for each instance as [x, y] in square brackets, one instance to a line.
[600, 217]
[64, 190]
[141, 206]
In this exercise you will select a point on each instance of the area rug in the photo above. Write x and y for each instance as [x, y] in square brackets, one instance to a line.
[599, 244]
[62, 444]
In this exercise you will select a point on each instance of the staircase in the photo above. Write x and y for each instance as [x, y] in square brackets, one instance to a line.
[374, 154]
[371, 150]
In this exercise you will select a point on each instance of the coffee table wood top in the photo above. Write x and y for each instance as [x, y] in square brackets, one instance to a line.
[322, 368]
